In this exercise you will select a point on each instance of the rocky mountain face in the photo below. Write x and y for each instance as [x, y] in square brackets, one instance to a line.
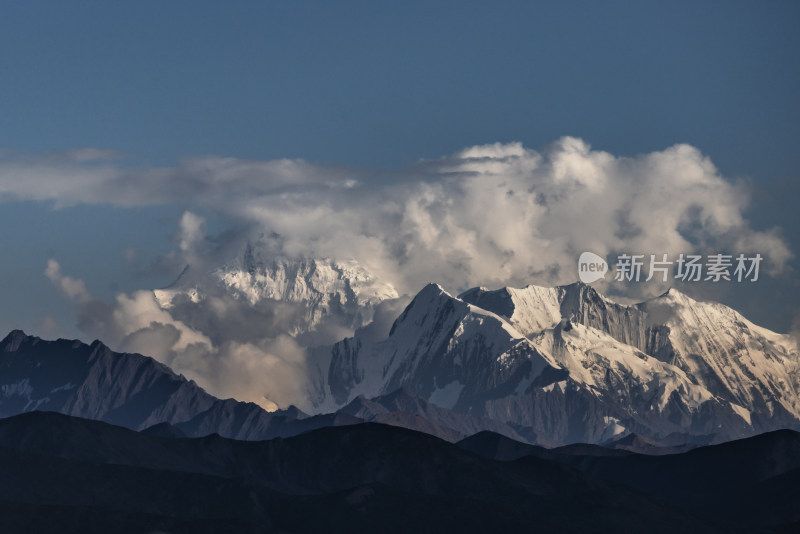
[550, 366]
[137, 392]
[534, 309]
[130, 390]
[729, 355]
[442, 348]
[715, 346]
[94, 382]
[569, 365]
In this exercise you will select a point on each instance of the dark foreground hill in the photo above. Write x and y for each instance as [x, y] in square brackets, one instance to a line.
[64, 474]
[748, 484]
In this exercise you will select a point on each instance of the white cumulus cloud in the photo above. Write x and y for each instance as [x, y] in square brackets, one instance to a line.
[492, 215]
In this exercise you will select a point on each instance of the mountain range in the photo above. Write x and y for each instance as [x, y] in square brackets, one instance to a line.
[495, 410]
[549, 366]
[137, 392]
[556, 365]
[569, 365]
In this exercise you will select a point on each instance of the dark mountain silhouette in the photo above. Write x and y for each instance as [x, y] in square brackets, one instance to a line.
[404, 408]
[67, 474]
[747, 484]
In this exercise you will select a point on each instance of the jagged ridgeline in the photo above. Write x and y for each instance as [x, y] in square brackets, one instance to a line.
[550, 366]
[569, 365]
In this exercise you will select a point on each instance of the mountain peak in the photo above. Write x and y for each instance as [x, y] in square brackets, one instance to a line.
[673, 296]
[672, 291]
[584, 291]
[530, 309]
[577, 284]
[13, 340]
[429, 297]
[433, 288]
[15, 334]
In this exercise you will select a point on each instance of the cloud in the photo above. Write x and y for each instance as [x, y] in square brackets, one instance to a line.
[71, 287]
[493, 214]
[191, 237]
[90, 176]
[253, 361]
[192, 231]
[258, 364]
[794, 333]
[48, 327]
[385, 314]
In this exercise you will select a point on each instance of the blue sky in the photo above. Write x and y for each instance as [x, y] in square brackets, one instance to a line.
[384, 83]
[376, 86]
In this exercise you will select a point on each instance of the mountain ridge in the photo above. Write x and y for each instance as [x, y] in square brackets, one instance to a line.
[574, 366]
[140, 393]
[544, 365]
[131, 390]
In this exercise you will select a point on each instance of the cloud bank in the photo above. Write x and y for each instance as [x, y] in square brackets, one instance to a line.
[253, 362]
[491, 215]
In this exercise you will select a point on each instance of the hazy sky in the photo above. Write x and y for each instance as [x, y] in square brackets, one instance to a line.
[247, 112]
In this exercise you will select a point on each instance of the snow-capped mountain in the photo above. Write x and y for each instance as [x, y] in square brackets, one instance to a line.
[720, 350]
[729, 355]
[548, 365]
[319, 288]
[571, 365]
[439, 346]
[534, 309]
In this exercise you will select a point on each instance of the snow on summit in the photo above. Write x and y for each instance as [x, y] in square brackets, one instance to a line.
[323, 286]
[565, 361]
[568, 362]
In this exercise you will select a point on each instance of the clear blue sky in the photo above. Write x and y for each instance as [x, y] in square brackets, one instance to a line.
[385, 83]
[378, 85]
